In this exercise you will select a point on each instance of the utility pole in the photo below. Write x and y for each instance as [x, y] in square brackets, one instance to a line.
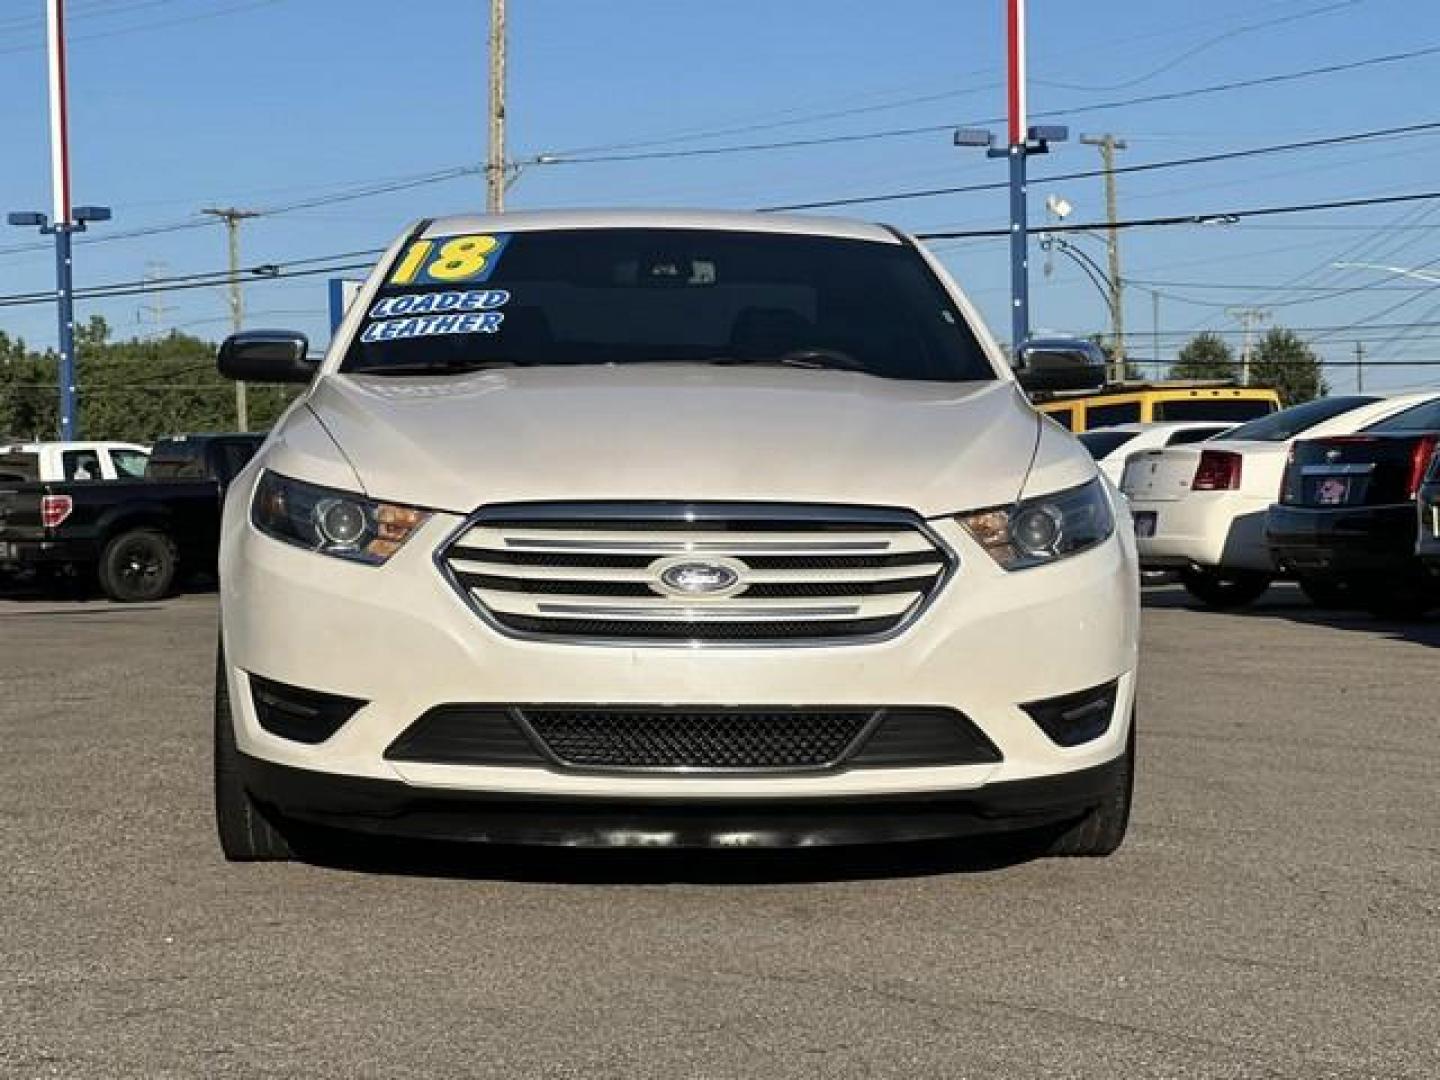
[1155, 333]
[1249, 319]
[1108, 144]
[1359, 367]
[495, 167]
[232, 218]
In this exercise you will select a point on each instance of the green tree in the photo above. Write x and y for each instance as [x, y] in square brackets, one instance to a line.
[138, 389]
[1205, 356]
[1283, 361]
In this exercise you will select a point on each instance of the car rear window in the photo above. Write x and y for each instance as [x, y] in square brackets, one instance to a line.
[171, 459]
[1422, 417]
[1213, 409]
[1287, 423]
[620, 296]
[1193, 435]
[1120, 412]
[1102, 444]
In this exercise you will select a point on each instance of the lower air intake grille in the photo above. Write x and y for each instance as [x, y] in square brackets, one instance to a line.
[696, 573]
[729, 741]
[710, 741]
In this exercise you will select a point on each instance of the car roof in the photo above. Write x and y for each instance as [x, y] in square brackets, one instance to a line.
[715, 220]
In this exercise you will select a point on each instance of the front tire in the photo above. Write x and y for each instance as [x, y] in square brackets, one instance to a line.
[138, 566]
[1102, 830]
[1224, 590]
[246, 833]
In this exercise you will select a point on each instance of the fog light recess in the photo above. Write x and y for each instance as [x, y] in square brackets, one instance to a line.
[1078, 718]
[297, 714]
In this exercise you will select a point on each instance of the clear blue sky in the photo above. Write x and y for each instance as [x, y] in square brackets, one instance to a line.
[179, 104]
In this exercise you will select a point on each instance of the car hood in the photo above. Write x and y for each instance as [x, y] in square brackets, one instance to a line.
[680, 432]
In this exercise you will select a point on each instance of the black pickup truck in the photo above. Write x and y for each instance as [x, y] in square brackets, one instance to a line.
[135, 536]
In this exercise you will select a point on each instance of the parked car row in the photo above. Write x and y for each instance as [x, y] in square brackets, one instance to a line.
[137, 536]
[1324, 493]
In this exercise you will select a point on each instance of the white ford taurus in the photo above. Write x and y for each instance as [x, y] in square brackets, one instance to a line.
[669, 529]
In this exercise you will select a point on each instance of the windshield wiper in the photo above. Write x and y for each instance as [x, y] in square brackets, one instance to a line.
[814, 359]
[436, 367]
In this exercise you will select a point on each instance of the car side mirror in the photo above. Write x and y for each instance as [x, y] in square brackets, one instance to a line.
[1060, 364]
[267, 356]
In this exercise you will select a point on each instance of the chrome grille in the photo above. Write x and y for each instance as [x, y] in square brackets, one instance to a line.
[674, 573]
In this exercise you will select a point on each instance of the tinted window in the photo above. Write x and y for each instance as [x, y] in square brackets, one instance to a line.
[20, 466]
[81, 465]
[175, 460]
[1063, 417]
[1193, 435]
[619, 296]
[233, 455]
[1287, 423]
[129, 464]
[1122, 412]
[1213, 409]
[1104, 443]
[1424, 417]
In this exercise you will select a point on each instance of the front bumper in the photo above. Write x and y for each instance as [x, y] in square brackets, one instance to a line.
[403, 641]
[394, 809]
[1204, 528]
[1360, 541]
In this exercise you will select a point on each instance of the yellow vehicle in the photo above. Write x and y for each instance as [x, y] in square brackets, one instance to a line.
[1144, 403]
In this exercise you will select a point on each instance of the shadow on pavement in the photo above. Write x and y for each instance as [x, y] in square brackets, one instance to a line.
[1286, 602]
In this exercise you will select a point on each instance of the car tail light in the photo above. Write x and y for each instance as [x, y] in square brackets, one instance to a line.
[54, 509]
[1219, 470]
[1420, 461]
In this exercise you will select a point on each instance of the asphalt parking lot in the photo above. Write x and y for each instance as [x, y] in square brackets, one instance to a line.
[1275, 913]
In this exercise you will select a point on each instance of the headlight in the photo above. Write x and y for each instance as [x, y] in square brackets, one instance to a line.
[1044, 529]
[332, 522]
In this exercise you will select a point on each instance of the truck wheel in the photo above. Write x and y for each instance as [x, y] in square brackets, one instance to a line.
[246, 834]
[1101, 831]
[1224, 589]
[138, 566]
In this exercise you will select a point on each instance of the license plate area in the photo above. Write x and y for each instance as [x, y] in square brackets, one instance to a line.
[1330, 490]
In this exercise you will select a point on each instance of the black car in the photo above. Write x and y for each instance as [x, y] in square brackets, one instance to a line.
[1428, 502]
[1347, 512]
[135, 536]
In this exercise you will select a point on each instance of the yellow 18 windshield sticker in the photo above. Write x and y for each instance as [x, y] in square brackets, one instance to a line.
[449, 260]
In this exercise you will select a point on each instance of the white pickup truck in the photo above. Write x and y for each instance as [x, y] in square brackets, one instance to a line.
[629, 528]
[56, 461]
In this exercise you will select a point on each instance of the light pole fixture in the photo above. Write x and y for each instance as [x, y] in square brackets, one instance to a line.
[80, 217]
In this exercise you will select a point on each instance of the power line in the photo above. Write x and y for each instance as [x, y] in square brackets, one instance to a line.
[1148, 166]
[1222, 217]
[930, 129]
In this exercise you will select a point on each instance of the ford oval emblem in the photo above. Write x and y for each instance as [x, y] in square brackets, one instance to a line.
[699, 578]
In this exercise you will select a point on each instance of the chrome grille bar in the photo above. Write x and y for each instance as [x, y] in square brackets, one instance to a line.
[748, 574]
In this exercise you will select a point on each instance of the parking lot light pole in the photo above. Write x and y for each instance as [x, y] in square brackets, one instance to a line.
[1023, 141]
[64, 299]
[66, 220]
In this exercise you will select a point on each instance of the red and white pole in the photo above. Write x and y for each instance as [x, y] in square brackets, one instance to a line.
[62, 225]
[59, 115]
[1016, 65]
[1018, 148]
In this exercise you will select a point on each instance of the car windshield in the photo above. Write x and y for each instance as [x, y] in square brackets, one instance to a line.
[617, 296]
[1102, 444]
[1287, 423]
